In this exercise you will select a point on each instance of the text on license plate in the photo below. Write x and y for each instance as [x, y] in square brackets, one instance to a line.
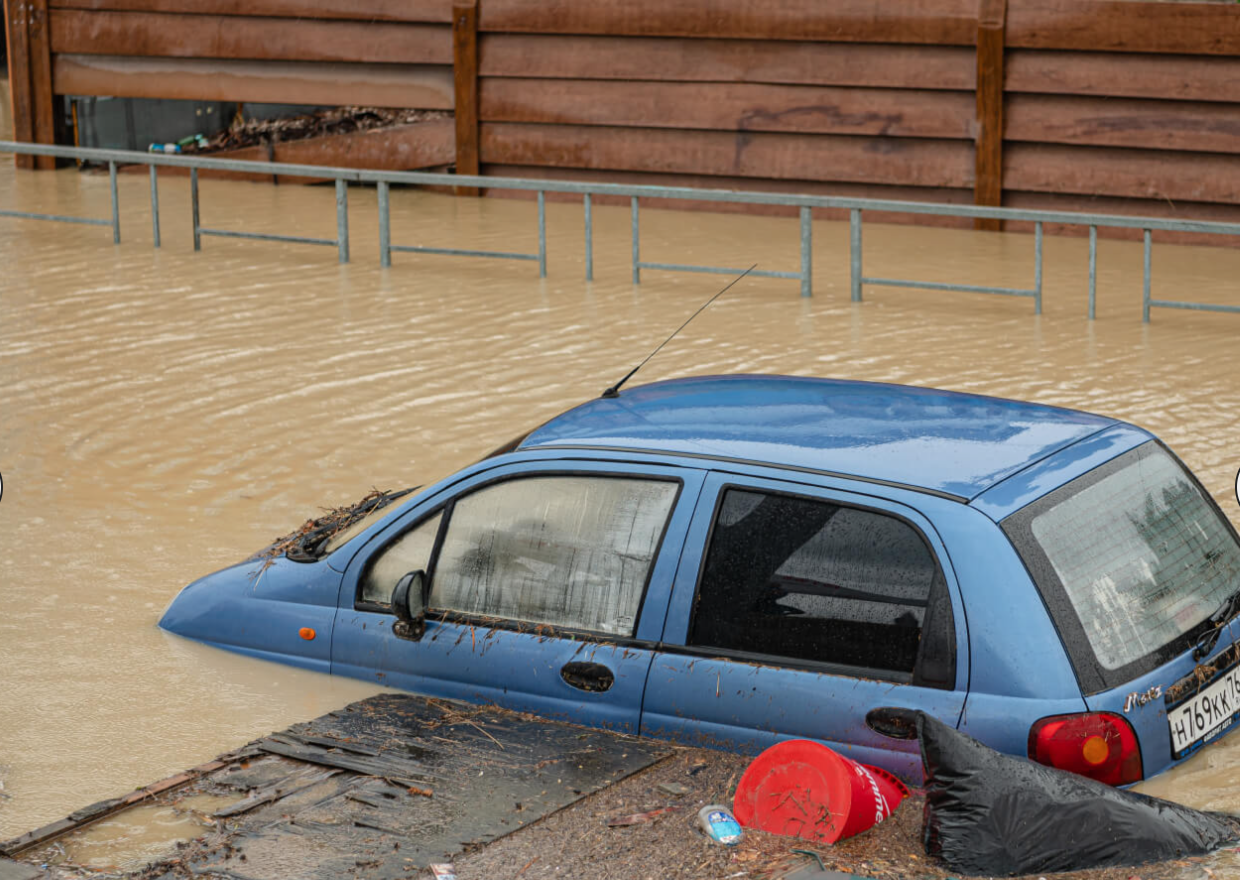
[1206, 714]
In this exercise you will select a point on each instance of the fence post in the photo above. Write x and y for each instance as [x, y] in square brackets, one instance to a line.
[116, 208]
[193, 201]
[988, 159]
[637, 271]
[154, 206]
[854, 252]
[1037, 268]
[589, 238]
[465, 89]
[1093, 270]
[385, 229]
[542, 234]
[342, 219]
[19, 69]
[807, 257]
[42, 100]
[1145, 295]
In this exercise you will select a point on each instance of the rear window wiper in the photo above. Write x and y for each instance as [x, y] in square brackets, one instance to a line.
[1226, 611]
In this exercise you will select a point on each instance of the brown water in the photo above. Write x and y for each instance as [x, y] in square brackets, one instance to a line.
[164, 413]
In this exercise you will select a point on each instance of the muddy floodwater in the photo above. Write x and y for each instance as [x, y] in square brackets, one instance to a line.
[164, 413]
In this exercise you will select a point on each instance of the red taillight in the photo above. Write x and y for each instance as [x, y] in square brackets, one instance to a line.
[1099, 745]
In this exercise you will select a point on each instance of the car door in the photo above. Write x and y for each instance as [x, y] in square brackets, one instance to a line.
[545, 581]
[797, 611]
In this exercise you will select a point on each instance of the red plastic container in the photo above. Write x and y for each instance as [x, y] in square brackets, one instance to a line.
[800, 788]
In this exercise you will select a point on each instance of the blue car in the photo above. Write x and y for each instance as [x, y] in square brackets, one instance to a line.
[731, 561]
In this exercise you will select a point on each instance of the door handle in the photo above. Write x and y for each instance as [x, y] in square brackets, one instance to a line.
[893, 721]
[593, 677]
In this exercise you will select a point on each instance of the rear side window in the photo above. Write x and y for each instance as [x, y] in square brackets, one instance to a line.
[570, 551]
[1132, 558]
[808, 580]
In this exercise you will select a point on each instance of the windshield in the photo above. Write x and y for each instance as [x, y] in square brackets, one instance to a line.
[1142, 554]
[356, 526]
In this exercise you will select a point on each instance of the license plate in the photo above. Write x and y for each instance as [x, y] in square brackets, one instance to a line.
[1207, 714]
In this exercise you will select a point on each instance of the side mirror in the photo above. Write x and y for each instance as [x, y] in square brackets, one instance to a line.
[409, 600]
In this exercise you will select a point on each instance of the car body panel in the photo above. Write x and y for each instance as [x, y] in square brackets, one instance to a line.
[259, 608]
[1149, 720]
[942, 441]
[477, 662]
[1045, 476]
[744, 704]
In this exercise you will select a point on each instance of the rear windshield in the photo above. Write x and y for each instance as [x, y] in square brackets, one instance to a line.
[1137, 554]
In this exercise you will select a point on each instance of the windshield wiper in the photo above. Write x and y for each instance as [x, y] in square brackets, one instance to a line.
[1226, 611]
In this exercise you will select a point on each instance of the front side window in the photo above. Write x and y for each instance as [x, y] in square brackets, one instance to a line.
[810, 580]
[570, 551]
[410, 552]
[1142, 557]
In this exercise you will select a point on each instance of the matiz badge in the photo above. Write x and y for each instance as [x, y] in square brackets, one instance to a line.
[1137, 699]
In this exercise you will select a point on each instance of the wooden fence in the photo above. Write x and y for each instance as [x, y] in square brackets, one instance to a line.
[1103, 105]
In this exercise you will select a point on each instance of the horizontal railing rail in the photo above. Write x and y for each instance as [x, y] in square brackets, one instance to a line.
[587, 190]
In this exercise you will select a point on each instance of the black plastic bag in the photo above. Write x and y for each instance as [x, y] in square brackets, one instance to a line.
[988, 813]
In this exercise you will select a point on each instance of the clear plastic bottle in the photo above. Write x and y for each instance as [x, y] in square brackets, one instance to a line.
[718, 823]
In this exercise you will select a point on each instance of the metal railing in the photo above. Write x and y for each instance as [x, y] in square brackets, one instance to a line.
[587, 190]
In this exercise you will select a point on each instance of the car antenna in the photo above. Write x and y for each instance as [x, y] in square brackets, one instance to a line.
[614, 390]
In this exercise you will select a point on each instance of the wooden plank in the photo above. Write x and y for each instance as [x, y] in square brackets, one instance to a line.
[11, 870]
[17, 33]
[939, 22]
[811, 187]
[1123, 122]
[42, 101]
[988, 172]
[421, 145]
[1114, 74]
[730, 107]
[76, 31]
[1138, 207]
[1106, 171]
[362, 10]
[423, 87]
[755, 61]
[31, 839]
[1121, 26]
[465, 89]
[907, 161]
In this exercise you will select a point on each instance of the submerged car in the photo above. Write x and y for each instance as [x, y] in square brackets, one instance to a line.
[735, 560]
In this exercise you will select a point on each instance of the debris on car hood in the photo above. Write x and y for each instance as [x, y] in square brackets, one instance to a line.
[988, 813]
[304, 541]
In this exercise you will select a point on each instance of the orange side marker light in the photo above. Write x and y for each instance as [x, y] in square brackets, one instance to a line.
[306, 633]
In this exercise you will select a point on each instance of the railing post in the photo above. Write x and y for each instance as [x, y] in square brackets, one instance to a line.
[385, 229]
[342, 219]
[806, 251]
[193, 201]
[854, 251]
[116, 208]
[1093, 270]
[542, 234]
[589, 239]
[1145, 296]
[1037, 268]
[637, 272]
[154, 205]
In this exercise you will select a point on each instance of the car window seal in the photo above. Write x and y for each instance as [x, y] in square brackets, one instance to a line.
[1092, 676]
[790, 662]
[446, 507]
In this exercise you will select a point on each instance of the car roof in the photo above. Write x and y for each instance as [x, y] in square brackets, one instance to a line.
[943, 442]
